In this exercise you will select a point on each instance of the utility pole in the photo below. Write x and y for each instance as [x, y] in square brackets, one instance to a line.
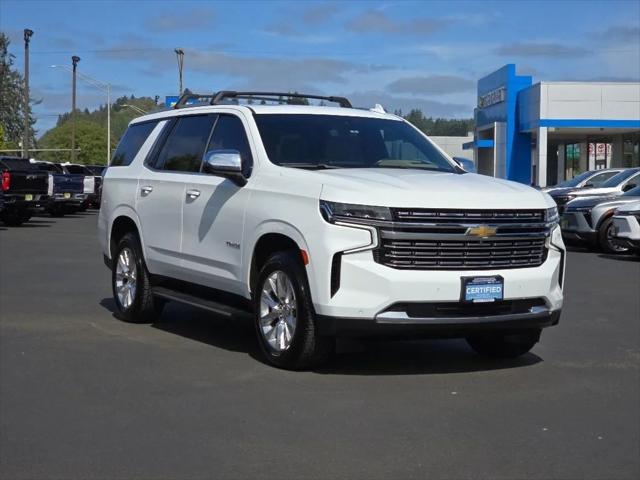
[27, 118]
[180, 56]
[74, 61]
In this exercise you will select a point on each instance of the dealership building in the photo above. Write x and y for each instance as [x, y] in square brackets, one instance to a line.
[543, 133]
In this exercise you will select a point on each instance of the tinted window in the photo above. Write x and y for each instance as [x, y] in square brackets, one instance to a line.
[184, 148]
[229, 134]
[332, 141]
[78, 169]
[131, 142]
[634, 192]
[599, 179]
[619, 178]
[49, 167]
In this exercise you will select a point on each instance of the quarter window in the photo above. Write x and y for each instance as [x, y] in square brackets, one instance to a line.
[130, 143]
[184, 147]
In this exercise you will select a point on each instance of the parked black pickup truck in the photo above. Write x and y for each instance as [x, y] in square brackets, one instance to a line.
[65, 190]
[24, 188]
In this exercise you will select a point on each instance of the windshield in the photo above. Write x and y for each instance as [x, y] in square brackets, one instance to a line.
[619, 178]
[575, 181]
[336, 141]
[634, 192]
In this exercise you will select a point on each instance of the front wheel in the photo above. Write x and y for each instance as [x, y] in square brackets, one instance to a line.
[501, 345]
[131, 284]
[606, 239]
[284, 316]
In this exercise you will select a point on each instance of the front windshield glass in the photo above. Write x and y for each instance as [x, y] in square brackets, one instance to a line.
[619, 178]
[634, 192]
[336, 141]
[575, 181]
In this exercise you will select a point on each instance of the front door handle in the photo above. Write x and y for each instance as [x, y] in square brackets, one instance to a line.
[193, 193]
[146, 190]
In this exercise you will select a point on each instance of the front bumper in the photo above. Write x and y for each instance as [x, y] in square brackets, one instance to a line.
[576, 226]
[403, 326]
[627, 231]
[367, 289]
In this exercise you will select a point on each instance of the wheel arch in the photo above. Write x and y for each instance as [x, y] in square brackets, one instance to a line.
[123, 223]
[279, 237]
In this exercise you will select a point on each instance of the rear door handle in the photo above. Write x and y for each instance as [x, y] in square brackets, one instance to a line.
[193, 193]
[146, 190]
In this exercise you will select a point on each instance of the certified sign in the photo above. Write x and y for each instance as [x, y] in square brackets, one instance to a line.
[491, 98]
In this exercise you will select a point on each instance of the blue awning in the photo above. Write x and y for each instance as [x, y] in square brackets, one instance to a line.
[478, 143]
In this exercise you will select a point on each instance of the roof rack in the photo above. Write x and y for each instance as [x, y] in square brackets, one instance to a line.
[219, 97]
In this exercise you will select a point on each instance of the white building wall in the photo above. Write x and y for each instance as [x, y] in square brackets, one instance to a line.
[589, 101]
[453, 145]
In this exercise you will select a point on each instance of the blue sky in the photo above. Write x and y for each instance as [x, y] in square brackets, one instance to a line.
[402, 54]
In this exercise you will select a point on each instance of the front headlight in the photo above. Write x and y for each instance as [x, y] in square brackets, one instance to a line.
[551, 215]
[334, 211]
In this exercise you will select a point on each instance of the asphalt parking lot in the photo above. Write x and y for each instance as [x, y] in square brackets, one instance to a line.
[84, 395]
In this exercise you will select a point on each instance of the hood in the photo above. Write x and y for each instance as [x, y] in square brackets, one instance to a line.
[589, 202]
[631, 206]
[615, 203]
[592, 192]
[424, 189]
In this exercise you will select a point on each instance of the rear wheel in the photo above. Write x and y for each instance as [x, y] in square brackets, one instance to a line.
[606, 239]
[502, 345]
[131, 284]
[284, 316]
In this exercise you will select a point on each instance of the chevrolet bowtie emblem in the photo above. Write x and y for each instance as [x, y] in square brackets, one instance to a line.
[481, 231]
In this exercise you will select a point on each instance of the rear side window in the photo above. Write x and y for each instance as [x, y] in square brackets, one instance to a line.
[229, 134]
[184, 148]
[130, 143]
[78, 169]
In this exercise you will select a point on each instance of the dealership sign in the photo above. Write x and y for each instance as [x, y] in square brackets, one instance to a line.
[491, 98]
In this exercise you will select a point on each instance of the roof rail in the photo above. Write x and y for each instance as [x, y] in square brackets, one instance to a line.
[219, 97]
[225, 94]
[188, 95]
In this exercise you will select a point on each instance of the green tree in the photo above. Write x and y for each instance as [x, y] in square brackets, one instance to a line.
[446, 127]
[90, 139]
[91, 134]
[12, 108]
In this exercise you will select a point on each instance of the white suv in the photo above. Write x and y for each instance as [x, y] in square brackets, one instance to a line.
[324, 221]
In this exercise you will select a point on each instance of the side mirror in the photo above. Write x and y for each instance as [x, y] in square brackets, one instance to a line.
[225, 163]
[588, 185]
[628, 187]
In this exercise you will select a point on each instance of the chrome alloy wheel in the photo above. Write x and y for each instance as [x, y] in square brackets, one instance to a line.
[611, 242]
[278, 311]
[126, 278]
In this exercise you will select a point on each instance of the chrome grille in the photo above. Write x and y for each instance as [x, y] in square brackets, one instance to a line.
[422, 239]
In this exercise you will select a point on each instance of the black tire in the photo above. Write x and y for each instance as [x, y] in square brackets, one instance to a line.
[501, 345]
[12, 218]
[605, 240]
[307, 348]
[143, 308]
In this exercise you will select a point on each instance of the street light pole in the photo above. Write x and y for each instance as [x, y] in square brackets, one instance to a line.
[180, 56]
[74, 60]
[105, 87]
[25, 134]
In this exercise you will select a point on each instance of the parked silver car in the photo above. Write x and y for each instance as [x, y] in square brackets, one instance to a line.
[589, 219]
